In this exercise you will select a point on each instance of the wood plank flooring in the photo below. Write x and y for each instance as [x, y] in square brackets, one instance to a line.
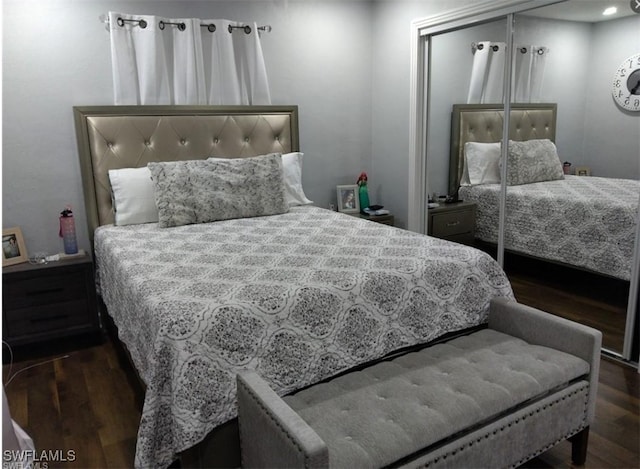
[82, 403]
[86, 403]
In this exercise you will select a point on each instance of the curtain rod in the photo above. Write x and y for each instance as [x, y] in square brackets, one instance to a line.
[479, 46]
[181, 26]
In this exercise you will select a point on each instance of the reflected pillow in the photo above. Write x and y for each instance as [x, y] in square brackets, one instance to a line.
[133, 196]
[201, 191]
[533, 161]
[481, 164]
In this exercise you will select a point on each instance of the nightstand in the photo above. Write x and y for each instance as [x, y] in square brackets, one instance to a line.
[454, 222]
[384, 219]
[41, 302]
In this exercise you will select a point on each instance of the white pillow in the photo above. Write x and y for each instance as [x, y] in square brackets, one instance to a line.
[292, 169]
[481, 164]
[133, 196]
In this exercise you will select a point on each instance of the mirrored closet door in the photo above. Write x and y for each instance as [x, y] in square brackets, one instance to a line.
[451, 65]
[565, 230]
[570, 228]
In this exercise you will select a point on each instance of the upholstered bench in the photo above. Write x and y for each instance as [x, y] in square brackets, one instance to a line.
[494, 398]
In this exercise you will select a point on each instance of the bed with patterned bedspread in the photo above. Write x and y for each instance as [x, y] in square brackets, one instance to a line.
[588, 222]
[299, 297]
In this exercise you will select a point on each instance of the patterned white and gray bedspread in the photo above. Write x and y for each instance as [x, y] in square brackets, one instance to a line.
[588, 222]
[298, 297]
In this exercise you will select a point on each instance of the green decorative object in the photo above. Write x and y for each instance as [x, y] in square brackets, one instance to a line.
[363, 192]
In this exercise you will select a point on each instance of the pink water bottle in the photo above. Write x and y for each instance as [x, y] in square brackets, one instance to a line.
[68, 231]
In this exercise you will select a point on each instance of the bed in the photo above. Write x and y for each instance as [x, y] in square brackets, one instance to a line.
[299, 296]
[583, 222]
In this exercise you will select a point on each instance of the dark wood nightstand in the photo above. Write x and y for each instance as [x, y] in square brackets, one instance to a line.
[41, 302]
[384, 219]
[454, 222]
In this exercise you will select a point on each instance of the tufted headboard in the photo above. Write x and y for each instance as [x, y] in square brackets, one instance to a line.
[113, 137]
[483, 123]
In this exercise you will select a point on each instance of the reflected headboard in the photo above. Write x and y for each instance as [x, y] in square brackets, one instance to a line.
[483, 123]
[113, 137]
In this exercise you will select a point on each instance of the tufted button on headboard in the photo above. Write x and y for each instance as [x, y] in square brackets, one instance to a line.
[483, 123]
[113, 137]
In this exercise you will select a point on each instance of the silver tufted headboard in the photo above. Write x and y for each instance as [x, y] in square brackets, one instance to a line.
[483, 123]
[112, 137]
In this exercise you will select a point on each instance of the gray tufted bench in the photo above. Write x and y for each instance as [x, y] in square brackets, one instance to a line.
[494, 398]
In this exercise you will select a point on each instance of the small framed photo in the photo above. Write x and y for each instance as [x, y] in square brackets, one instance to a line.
[13, 248]
[583, 171]
[348, 201]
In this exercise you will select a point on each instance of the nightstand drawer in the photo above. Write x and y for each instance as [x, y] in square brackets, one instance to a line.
[452, 223]
[46, 318]
[42, 303]
[43, 290]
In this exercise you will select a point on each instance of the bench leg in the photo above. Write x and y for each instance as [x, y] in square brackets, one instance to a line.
[579, 446]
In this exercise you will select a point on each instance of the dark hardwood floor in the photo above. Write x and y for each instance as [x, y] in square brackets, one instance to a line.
[83, 403]
[87, 403]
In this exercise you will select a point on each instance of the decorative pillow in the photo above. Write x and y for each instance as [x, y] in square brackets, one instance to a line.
[202, 191]
[533, 161]
[292, 171]
[133, 196]
[481, 164]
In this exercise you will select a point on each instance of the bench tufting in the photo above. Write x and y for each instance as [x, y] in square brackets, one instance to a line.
[494, 398]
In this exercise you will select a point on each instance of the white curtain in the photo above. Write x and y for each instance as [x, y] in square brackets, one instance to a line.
[530, 65]
[238, 72]
[188, 66]
[185, 62]
[487, 74]
[140, 73]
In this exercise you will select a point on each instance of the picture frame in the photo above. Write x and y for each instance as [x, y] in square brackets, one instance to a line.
[348, 200]
[583, 171]
[14, 251]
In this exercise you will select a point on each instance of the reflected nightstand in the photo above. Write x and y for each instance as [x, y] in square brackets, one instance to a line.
[454, 222]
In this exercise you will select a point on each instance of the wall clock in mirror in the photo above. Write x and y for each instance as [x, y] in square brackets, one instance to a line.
[626, 84]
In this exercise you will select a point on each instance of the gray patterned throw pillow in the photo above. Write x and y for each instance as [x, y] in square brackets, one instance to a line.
[533, 161]
[201, 191]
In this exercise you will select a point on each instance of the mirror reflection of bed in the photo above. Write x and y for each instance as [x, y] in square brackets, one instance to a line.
[568, 239]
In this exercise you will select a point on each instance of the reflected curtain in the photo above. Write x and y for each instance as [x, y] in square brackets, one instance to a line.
[487, 74]
[530, 65]
[186, 61]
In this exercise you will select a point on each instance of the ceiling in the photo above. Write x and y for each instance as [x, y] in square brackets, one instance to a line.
[584, 10]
